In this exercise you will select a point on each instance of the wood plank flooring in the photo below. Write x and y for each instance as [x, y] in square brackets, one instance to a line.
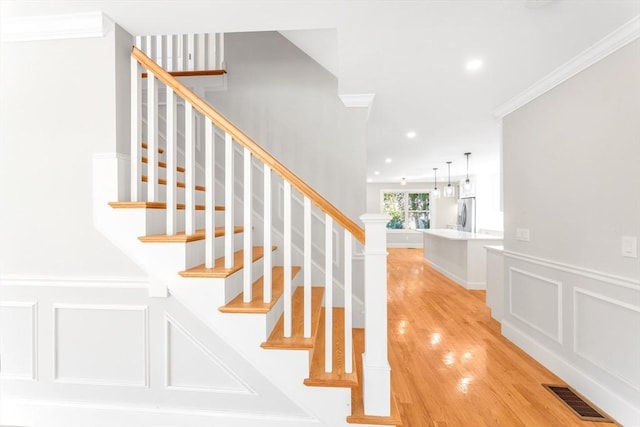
[450, 364]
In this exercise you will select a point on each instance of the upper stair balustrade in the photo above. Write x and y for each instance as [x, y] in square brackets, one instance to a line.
[185, 52]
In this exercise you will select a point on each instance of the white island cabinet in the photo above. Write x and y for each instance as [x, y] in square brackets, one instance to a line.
[459, 255]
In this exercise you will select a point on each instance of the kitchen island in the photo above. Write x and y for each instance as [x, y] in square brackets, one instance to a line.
[459, 255]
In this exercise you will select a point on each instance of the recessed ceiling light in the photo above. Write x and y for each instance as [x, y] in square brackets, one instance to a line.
[387, 160]
[376, 173]
[474, 65]
[411, 134]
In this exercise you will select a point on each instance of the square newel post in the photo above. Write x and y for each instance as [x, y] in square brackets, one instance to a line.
[375, 362]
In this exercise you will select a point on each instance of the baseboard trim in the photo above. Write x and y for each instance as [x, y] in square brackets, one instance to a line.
[472, 286]
[624, 412]
[405, 245]
[13, 411]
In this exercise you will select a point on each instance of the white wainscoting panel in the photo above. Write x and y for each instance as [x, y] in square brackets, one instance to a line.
[18, 340]
[101, 344]
[191, 366]
[607, 334]
[537, 302]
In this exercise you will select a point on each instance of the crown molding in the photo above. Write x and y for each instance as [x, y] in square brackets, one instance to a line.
[358, 100]
[55, 27]
[606, 46]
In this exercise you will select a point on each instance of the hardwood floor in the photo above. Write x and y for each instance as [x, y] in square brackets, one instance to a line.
[450, 364]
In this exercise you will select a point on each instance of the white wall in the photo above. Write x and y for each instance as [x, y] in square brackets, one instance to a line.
[58, 107]
[289, 105]
[571, 299]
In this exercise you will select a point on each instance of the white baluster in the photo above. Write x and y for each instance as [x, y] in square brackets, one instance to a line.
[328, 291]
[139, 43]
[247, 232]
[148, 46]
[267, 278]
[136, 131]
[182, 52]
[287, 259]
[189, 173]
[171, 163]
[210, 57]
[209, 195]
[152, 138]
[375, 363]
[221, 54]
[228, 201]
[307, 267]
[191, 52]
[169, 55]
[161, 51]
[200, 53]
[348, 304]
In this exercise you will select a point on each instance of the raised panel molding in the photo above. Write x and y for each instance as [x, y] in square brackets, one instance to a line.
[11, 341]
[221, 378]
[517, 311]
[108, 344]
[617, 320]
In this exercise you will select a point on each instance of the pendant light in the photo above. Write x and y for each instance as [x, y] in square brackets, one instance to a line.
[448, 192]
[467, 183]
[403, 181]
[435, 193]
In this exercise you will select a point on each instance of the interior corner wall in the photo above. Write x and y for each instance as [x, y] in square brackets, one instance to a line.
[571, 178]
[289, 105]
[58, 108]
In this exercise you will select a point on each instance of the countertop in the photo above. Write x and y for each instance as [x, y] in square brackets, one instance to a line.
[450, 234]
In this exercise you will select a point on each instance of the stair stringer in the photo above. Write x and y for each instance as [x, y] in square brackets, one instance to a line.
[286, 369]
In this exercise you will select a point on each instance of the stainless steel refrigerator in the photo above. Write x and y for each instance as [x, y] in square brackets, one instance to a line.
[467, 214]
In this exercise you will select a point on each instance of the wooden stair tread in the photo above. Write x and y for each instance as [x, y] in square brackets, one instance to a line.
[154, 205]
[338, 377]
[357, 403]
[181, 237]
[297, 341]
[163, 164]
[179, 184]
[257, 305]
[218, 270]
[145, 146]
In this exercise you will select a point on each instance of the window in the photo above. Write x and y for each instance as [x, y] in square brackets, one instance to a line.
[408, 210]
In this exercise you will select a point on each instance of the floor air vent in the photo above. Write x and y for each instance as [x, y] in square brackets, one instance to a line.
[584, 409]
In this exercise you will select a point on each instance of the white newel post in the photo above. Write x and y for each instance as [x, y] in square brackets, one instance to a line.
[375, 363]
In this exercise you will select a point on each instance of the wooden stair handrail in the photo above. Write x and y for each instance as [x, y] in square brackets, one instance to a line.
[220, 121]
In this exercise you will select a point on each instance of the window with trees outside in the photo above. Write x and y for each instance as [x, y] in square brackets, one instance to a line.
[408, 210]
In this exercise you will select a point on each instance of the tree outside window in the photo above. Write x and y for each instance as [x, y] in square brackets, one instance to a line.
[408, 211]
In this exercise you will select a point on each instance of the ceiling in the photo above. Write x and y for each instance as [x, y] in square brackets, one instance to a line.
[410, 54]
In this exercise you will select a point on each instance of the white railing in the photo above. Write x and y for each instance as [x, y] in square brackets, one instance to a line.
[274, 175]
[185, 52]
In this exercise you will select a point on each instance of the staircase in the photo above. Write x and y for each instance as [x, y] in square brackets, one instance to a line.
[187, 209]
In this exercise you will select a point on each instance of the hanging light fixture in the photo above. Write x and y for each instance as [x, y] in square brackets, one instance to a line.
[467, 183]
[403, 181]
[435, 193]
[448, 192]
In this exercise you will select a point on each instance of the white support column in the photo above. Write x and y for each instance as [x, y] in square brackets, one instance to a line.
[152, 137]
[267, 263]
[348, 304]
[209, 195]
[228, 201]
[287, 259]
[190, 171]
[307, 267]
[171, 155]
[136, 131]
[375, 363]
[248, 232]
[328, 292]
